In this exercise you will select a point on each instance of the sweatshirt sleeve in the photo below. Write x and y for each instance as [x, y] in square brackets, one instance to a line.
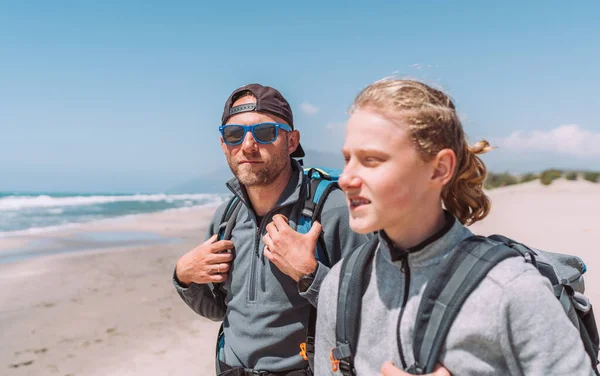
[541, 338]
[326, 318]
[200, 297]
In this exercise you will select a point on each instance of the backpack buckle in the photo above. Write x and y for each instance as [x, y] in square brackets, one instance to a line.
[416, 369]
[335, 364]
[303, 351]
[567, 286]
[259, 373]
[346, 367]
[341, 358]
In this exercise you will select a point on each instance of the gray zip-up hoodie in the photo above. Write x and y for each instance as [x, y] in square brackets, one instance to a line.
[510, 325]
[265, 317]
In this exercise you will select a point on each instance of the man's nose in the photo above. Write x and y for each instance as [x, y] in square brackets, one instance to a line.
[249, 144]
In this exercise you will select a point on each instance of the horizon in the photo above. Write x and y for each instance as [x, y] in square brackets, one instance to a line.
[127, 98]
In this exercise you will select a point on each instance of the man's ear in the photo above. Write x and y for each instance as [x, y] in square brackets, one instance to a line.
[293, 140]
[443, 164]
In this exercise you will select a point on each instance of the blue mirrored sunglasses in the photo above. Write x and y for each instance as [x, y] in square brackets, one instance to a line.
[263, 133]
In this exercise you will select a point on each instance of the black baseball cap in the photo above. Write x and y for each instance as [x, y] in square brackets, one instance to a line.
[268, 100]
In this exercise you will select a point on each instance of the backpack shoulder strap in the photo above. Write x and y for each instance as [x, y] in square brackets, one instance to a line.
[443, 297]
[228, 218]
[319, 189]
[354, 280]
[224, 230]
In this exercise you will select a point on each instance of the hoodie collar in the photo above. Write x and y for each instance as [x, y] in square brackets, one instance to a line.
[430, 250]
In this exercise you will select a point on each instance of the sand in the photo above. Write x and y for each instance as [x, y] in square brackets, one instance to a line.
[112, 310]
[105, 312]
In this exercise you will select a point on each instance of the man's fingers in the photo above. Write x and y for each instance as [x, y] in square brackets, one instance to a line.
[268, 254]
[221, 245]
[281, 217]
[273, 257]
[220, 257]
[218, 278]
[281, 222]
[315, 230]
[218, 268]
[268, 241]
[212, 239]
[271, 229]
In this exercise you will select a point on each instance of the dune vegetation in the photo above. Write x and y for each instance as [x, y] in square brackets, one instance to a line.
[546, 177]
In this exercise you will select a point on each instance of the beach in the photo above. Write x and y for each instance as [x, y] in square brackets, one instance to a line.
[111, 309]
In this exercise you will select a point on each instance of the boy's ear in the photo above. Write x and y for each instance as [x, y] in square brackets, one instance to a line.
[444, 164]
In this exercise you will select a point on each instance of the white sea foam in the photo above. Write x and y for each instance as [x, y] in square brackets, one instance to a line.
[75, 225]
[11, 203]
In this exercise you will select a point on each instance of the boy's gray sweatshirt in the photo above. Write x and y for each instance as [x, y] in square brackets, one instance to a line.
[265, 318]
[510, 325]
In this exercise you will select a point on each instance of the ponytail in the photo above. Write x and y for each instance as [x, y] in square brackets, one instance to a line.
[463, 196]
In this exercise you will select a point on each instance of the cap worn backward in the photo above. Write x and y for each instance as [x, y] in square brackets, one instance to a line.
[268, 100]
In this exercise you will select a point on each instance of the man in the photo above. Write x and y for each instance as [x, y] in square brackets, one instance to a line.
[269, 271]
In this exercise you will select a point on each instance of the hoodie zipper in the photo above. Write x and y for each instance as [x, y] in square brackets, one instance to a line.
[257, 255]
[253, 277]
[406, 269]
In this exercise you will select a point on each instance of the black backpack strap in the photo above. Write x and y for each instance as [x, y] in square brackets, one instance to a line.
[224, 230]
[224, 233]
[231, 211]
[444, 296]
[588, 332]
[354, 280]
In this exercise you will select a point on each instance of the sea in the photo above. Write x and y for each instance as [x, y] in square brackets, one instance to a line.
[27, 213]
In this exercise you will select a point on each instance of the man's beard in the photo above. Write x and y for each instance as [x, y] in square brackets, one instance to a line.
[261, 176]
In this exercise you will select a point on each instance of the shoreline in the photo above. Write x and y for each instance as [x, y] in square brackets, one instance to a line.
[123, 231]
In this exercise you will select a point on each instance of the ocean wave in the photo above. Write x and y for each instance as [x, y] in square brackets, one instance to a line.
[12, 203]
[74, 225]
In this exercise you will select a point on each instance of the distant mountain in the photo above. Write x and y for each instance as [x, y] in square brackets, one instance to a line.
[214, 181]
[324, 159]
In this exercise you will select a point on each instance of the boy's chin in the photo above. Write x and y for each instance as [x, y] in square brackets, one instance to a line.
[360, 226]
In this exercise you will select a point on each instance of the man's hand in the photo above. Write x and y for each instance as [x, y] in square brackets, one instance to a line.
[388, 369]
[292, 252]
[204, 263]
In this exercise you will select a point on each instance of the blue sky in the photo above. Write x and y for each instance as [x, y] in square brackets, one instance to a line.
[119, 96]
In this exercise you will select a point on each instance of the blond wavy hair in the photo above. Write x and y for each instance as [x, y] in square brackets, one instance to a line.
[434, 126]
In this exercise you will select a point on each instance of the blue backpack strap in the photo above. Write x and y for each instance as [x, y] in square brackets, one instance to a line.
[321, 183]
